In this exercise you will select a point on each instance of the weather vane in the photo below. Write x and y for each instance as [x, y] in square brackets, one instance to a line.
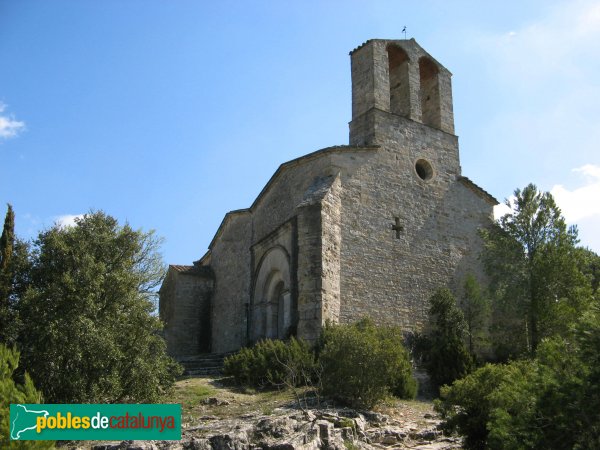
[404, 31]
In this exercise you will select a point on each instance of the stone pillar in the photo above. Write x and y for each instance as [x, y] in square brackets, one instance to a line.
[286, 314]
[270, 326]
[309, 272]
[370, 80]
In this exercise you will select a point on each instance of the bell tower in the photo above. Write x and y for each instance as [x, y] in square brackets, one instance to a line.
[400, 78]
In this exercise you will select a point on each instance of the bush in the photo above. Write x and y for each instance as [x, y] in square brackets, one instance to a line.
[552, 402]
[446, 357]
[362, 364]
[491, 407]
[11, 392]
[272, 363]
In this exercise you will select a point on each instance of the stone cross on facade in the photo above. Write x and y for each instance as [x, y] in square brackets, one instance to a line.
[397, 227]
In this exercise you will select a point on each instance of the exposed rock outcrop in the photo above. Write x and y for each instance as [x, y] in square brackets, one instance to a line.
[308, 430]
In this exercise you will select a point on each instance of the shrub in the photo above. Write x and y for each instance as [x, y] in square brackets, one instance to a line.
[492, 407]
[551, 402]
[11, 392]
[363, 363]
[447, 358]
[405, 385]
[271, 363]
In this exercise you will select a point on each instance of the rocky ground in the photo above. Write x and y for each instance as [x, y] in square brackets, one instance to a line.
[217, 416]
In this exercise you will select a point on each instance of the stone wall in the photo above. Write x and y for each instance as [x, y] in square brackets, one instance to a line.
[331, 246]
[230, 260]
[185, 302]
[386, 273]
[309, 271]
[387, 276]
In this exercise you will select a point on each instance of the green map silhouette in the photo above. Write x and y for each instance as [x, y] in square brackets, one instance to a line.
[23, 419]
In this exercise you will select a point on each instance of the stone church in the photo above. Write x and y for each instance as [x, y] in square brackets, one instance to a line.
[366, 229]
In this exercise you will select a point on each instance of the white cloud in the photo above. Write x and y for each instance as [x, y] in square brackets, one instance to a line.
[546, 73]
[589, 170]
[575, 204]
[502, 208]
[563, 42]
[582, 202]
[67, 220]
[9, 127]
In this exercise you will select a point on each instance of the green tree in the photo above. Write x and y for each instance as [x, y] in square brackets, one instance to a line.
[589, 262]
[447, 358]
[89, 334]
[17, 284]
[11, 392]
[531, 258]
[572, 400]
[6, 250]
[475, 308]
[7, 238]
[550, 402]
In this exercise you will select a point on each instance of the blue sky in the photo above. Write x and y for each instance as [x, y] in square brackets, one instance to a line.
[168, 114]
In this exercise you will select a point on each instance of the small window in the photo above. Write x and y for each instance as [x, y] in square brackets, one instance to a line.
[424, 170]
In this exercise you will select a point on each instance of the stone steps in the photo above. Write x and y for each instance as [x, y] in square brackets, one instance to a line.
[201, 365]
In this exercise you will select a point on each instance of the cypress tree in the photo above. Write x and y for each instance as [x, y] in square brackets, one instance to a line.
[7, 239]
[6, 249]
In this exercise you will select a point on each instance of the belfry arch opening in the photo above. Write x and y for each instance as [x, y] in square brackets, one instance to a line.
[429, 93]
[398, 63]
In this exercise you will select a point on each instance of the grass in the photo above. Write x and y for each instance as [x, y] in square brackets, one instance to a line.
[414, 410]
[351, 445]
[233, 401]
[190, 393]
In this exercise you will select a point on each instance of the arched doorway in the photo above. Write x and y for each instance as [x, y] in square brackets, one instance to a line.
[272, 312]
[278, 308]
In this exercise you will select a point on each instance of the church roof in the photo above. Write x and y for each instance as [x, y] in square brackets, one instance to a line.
[180, 268]
[478, 190]
[302, 159]
[205, 272]
[282, 168]
[202, 271]
[318, 190]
